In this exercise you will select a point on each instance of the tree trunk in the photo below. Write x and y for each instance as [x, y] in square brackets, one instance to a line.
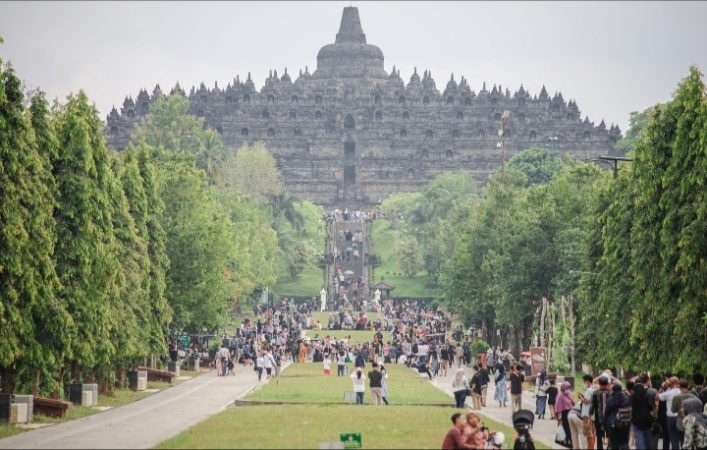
[543, 312]
[6, 375]
[35, 385]
[570, 314]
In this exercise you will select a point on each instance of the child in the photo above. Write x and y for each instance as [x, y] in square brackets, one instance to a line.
[551, 396]
[327, 366]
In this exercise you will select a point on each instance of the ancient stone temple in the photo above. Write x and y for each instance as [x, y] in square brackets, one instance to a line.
[352, 133]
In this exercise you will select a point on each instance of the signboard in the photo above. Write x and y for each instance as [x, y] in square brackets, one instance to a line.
[537, 360]
[351, 440]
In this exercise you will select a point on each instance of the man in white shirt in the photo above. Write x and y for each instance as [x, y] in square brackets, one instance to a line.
[670, 390]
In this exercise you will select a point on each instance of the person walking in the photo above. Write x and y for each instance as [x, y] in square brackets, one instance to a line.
[340, 364]
[359, 386]
[500, 379]
[375, 378]
[384, 384]
[517, 378]
[670, 389]
[695, 424]
[484, 372]
[563, 405]
[541, 386]
[259, 361]
[475, 386]
[460, 385]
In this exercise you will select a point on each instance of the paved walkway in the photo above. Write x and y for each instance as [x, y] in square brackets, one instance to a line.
[146, 422]
[543, 430]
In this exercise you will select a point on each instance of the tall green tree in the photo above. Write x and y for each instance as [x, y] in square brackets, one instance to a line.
[85, 256]
[30, 312]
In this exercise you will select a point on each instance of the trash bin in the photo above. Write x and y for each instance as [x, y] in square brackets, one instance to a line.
[132, 380]
[75, 390]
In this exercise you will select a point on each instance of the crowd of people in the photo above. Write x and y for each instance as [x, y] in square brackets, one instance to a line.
[647, 412]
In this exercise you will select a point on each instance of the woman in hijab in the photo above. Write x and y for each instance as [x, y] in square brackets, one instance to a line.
[695, 424]
[563, 404]
[541, 386]
[460, 385]
[500, 378]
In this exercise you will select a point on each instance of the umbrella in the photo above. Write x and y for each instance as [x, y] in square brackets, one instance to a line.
[348, 272]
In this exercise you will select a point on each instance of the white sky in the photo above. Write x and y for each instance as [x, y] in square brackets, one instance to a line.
[611, 57]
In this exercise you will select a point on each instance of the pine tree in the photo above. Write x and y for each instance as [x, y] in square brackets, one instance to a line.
[155, 237]
[85, 260]
[28, 281]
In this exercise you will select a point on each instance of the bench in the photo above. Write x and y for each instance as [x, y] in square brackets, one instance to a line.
[51, 408]
[205, 361]
[158, 375]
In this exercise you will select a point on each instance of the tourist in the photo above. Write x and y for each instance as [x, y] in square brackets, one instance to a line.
[618, 427]
[473, 431]
[552, 397]
[460, 387]
[268, 363]
[669, 390]
[563, 406]
[695, 424]
[596, 410]
[676, 406]
[585, 401]
[642, 403]
[259, 363]
[444, 357]
[327, 366]
[500, 379]
[454, 439]
[384, 384]
[517, 379]
[541, 386]
[375, 377]
[485, 378]
[359, 386]
[698, 387]
[341, 363]
[475, 385]
[574, 418]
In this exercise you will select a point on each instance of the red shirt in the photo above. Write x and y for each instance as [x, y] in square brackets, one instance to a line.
[454, 439]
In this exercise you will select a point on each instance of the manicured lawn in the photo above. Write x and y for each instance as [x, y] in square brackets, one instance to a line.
[307, 383]
[356, 336]
[311, 280]
[305, 426]
[382, 243]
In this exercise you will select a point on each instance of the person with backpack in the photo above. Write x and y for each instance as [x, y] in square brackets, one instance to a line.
[695, 425]
[642, 406]
[597, 409]
[617, 418]
[676, 405]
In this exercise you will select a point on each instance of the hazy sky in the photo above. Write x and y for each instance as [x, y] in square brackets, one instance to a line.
[611, 57]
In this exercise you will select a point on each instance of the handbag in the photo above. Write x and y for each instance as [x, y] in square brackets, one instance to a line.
[561, 437]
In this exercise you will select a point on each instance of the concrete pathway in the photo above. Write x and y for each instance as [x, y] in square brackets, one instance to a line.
[146, 422]
[543, 430]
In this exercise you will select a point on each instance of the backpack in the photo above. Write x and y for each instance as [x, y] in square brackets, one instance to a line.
[622, 421]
